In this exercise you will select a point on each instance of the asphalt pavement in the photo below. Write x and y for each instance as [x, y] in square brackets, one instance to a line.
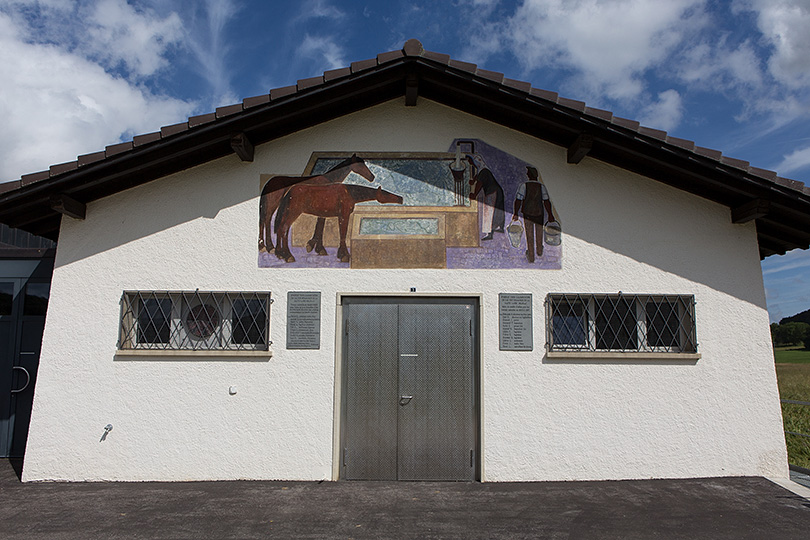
[733, 508]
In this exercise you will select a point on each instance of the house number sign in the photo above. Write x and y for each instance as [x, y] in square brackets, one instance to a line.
[303, 320]
[515, 315]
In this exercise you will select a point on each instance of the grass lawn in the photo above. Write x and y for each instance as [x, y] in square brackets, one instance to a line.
[791, 355]
[794, 383]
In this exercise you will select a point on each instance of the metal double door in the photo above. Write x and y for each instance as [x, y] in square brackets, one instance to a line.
[410, 407]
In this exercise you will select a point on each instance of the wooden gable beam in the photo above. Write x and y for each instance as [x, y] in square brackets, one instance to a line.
[580, 148]
[66, 205]
[753, 209]
[242, 146]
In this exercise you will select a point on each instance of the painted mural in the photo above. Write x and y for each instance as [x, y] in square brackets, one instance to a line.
[474, 206]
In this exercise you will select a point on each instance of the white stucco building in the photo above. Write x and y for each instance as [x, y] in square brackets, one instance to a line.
[635, 346]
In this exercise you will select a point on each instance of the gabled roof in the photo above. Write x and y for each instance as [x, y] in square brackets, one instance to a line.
[781, 207]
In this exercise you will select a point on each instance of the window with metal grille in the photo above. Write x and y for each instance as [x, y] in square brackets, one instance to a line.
[195, 320]
[621, 322]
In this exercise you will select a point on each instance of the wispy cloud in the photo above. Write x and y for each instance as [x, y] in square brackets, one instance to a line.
[205, 38]
[323, 51]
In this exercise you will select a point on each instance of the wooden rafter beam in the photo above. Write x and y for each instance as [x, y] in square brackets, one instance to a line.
[68, 206]
[753, 209]
[242, 146]
[580, 148]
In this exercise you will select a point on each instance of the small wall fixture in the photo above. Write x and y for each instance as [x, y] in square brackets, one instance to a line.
[107, 430]
[232, 390]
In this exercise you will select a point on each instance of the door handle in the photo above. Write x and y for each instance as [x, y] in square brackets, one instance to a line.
[404, 400]
[27, 379]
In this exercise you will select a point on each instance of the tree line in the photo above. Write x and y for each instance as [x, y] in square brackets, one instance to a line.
[793, 330]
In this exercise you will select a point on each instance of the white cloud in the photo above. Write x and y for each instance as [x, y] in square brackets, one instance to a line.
[784, 24]
[323, 51]
[119, 34]
[57, 104]
[798, 159]
[608, 45]
[666, 113]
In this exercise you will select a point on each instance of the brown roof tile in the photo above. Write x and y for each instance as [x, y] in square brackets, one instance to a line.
[388, 56]
[734, 162]
[523, 86]
[437, 57]
[146, 138]
[545, 94]
[201, 119]
[256, 100]
[464, 66]
[114, 149]
[173, 129]
[87, 159]
[333, 74]
[34, 177]
[571, 103]
[363, 64]
[277, 93]
[303, 84]
[59, 168]
[626, 123]
[413, 47]
[10, 186]
[709, 152]
[764, 173]
[683, 143]
[228, 110]
[787, 182]
[650, 132]
[491, 75]
[599, 113]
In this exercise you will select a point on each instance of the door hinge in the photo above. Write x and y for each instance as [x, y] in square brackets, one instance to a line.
[345, 451]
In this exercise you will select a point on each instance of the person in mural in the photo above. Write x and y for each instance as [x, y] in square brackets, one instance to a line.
[532, 199]
[482, 179]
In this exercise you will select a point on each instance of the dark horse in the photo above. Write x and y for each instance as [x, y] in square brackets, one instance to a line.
[276, 187]
[331, 200]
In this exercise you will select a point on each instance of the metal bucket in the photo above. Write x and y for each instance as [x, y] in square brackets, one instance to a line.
[552, 233]
[515, 232]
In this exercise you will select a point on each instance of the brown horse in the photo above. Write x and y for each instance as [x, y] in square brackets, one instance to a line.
[276, 187]
[332, 200]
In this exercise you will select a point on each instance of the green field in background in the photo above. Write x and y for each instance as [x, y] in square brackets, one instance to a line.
[791, 355]
[794, 383]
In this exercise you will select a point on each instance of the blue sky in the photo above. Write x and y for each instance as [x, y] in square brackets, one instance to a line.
[732, 75]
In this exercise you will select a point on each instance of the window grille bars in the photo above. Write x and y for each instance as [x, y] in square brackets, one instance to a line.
[194, 320]
[620, 322]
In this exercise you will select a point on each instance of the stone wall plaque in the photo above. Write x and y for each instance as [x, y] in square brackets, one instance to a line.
[515, 316]
[303, 320]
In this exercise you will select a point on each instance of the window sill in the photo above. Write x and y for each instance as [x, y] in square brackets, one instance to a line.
[157, 354]
[595, 355]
